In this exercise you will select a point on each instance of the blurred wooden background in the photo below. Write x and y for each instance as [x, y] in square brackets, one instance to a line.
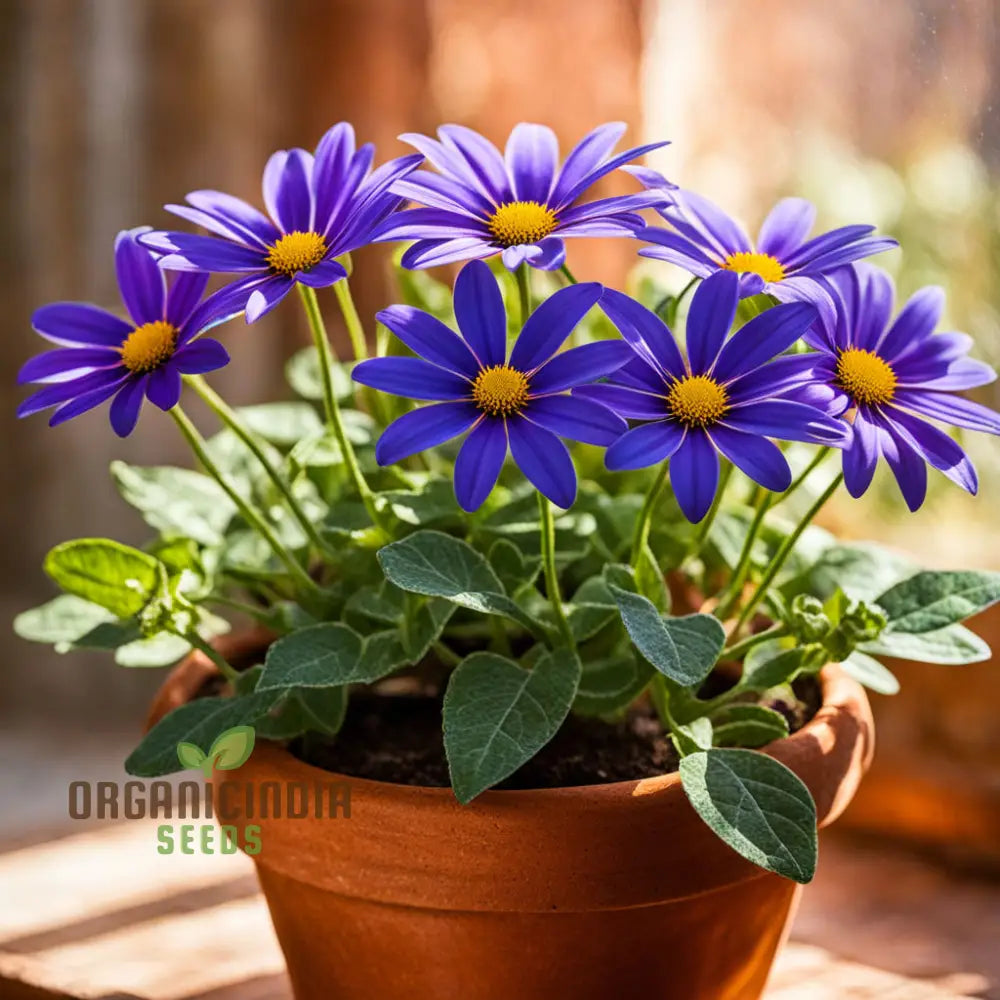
[112, 107]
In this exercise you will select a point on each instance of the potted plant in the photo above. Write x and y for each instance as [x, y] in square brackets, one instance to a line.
[649, 695]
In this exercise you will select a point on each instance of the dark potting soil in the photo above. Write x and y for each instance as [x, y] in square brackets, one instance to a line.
[397, 738]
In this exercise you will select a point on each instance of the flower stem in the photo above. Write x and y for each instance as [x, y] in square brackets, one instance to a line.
[786, 550]
[642, 526]
[232, 420]
[524, 291]
[548, 536]
[568, 274]
[250, 513]
[804, 474]
[739, 649]
[333, 416]
[735, 587]
[345, 300]
[675, 304]
[213, 654]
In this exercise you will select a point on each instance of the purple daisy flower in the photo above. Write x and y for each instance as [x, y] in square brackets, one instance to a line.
[724, 398]
[322, 206]
[101, 355]
[782, 263]
[893, 374]
[520, 204]
[520, 400]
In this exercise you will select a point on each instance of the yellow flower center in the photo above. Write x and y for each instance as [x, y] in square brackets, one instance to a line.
[866, 377]
[744, 262]
[697, 401]
[296, 251]
[500, 390]
[520, 222]
[148, 346]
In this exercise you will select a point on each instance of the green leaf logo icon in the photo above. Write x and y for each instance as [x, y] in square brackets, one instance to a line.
[230, 750]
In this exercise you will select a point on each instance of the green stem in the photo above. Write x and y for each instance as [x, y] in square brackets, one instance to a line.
[230, 673]
[739, 649]
[804, 474]
[642, 526]
[735, 588]
[568, 274]
[676, 304]
[255, 612]
[523, 291]
[232, 420]
[548, 537]
[786, 550]
[250, 513]
[333, 416]
[446, 654]
[352, 320]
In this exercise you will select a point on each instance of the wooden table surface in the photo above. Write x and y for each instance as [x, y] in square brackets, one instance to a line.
[101, 914]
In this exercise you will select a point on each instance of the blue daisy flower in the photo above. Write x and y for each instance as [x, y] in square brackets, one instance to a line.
[518, 401]
[101, 355]
[724, 398]
[893, 374]
[521, 204]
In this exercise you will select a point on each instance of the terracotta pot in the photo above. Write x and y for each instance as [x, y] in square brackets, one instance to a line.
[588, 892]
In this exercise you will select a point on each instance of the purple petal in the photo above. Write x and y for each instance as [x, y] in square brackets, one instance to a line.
[788, 420]
[430, 224]
[589, 179]
[411, 377]
[622, 225]
[679, 252]
[340, 209]
[479, 462]
[936, 447]
[907, 466]
[645, 332]
[757, 457]
[266, 295]
[585, 157]
[234, 214]
[633, 404]
[83, 403]
[869, 316]
[453, 165]
[847, 254]
[955, 376]
[200, 356]
[763, 338]
[615, 205]
[704, 222]
[532, 157]
[544, 460]
[713, 309]
[482, 159]
[786, 227]
[126, 405]
[164, 387]
[940, 348]
[551, 323]
[426, 427]
[648, 444]
[480, 313]
[577, 419]
[434, 253]
[293, 197]
[140, 280]
[58, 365]
[916, 322]
[694, 475]
[60, 392]
[186, 288]
[438, 191]
[638, 374]
[79, 323]
[322, 275]
[222, 305]
[552, 254]
[330, 165]
[861, 456]
[579, 365]
[775, 377]
[189, 251]
[427, 336]
[820, 245]
[951, 409]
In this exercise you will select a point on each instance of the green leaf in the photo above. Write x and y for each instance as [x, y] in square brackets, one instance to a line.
[190, 756]
[323, 709]
[320, 656]
[860, 570]
[198, 722]
[683, 649]
[107, 573]
[515, 570]
[437, 565]
[757, 806]
[281, 423]
[930, 600]
[953, 644]
[62, 621]
[433, 503]
[176, 501]
[868, 671]
[157, 651]
[609, 685]
[650, 581]
[232, 748]
[770, 664]
[498, 715]
[748, 726]
[303, 374]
